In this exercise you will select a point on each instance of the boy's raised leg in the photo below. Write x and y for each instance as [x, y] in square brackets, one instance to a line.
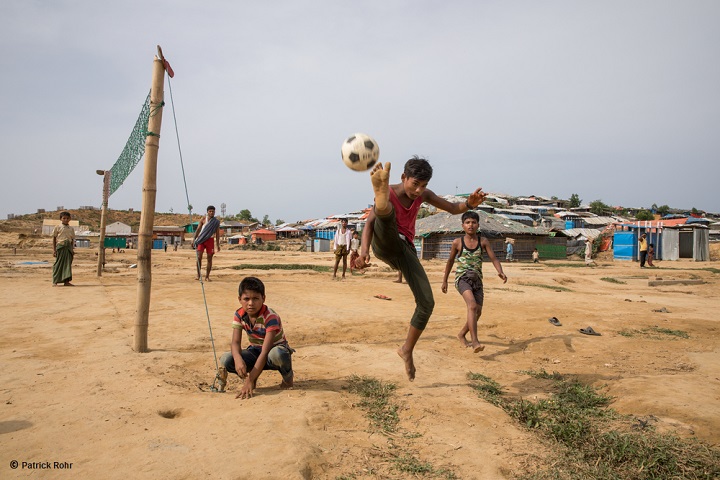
[380, 178]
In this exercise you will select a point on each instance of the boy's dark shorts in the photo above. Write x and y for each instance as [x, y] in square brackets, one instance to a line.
[474, 284]
[341, 251]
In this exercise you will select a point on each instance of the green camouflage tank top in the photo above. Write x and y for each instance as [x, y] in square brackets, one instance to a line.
[469, 260]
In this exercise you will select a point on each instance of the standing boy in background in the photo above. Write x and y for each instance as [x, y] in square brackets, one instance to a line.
[468, 277]
[203, 240]
[341, 246]
[390, 229]
[63, 251]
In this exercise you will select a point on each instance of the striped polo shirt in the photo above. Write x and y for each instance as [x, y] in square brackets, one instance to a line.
[268, 322]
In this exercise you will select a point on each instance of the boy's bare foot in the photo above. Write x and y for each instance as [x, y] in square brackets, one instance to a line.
[286, 384]
[477, 347]
[207, 279]
[380, 178]
[463, 340]
[68, 284]
[409, 364]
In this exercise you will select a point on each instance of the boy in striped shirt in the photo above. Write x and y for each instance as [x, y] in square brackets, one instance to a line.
[268, 348]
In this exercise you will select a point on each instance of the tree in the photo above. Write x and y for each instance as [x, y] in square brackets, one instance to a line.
[644, 215]
[663, 210]
[266, 220]
[575, 200]
[599, 208]
[279, 222]
[246, 215]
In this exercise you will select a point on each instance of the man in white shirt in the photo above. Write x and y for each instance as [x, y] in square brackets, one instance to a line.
[341, 246]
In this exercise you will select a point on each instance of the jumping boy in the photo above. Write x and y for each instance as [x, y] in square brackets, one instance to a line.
[203, 240]
[390, 228]
[268, 348]
[468, 277]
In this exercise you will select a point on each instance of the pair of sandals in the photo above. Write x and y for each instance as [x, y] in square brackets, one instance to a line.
[586, 331]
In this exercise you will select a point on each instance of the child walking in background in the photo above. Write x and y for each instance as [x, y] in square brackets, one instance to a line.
[354, 247]
[468, 250]
[390, 229]
[650, 254]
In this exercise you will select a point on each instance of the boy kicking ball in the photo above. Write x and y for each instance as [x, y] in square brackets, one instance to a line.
[390, 229]
[468, 250]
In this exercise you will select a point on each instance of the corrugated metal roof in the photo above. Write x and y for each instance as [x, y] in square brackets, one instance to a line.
[598, 220]
[490, 225]
[581, 232]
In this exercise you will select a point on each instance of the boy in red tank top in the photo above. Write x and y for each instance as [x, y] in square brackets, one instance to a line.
[390, 229]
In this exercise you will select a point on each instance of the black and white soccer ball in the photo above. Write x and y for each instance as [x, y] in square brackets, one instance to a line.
[360, 152]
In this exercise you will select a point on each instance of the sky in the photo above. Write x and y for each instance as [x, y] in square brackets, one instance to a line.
[616, 100]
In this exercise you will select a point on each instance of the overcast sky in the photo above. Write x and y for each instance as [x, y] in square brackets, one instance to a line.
[616, 101]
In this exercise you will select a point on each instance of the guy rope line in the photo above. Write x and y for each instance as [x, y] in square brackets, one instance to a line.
[189, 206]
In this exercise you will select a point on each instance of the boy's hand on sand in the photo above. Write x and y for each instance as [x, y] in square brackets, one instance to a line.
[477, 197]
[246, 391]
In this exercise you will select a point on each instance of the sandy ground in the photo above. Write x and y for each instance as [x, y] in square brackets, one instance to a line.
[75, 392]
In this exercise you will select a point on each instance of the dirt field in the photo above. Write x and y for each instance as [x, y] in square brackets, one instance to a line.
[74, 391]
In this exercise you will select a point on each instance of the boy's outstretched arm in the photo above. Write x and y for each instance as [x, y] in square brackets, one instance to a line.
[491, 255]
[451, 261]
[473, 200]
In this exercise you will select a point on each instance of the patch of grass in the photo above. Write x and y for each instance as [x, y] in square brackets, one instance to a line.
[551, 287]
[652, 332]
[568, 265]
[613, 280]
[488, 388]
[376, 401]
[542, 374]
[669, 332]
[596, 442]
[281, 266]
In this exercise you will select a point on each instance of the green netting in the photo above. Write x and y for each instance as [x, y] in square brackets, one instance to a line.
[133, 151]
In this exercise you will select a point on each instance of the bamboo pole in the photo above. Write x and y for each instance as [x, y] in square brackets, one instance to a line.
[147, 215]
[103, 219]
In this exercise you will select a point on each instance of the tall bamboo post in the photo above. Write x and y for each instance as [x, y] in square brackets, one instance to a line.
[103, 219]
[147, 215]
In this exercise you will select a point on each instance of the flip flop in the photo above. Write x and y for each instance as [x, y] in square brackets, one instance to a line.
[382, 297]
[589, 331]
[555, 321]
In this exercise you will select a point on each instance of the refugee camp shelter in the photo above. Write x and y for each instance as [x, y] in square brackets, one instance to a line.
[434, 236]
[673, 239]
[238, 239]
[117, 228]
[49, 225]
[167, 235]
[262, 235]
[686, 241]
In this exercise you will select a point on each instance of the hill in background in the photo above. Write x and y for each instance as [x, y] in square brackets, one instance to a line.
[91, 218]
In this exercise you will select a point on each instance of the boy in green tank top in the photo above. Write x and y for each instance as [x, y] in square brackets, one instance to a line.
[468, 276]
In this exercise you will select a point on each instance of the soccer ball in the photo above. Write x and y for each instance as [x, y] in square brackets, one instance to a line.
[360, 152]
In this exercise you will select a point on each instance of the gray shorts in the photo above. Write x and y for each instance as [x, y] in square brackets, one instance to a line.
[474, 284]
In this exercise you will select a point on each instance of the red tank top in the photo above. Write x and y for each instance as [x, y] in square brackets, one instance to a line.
[405, 216]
